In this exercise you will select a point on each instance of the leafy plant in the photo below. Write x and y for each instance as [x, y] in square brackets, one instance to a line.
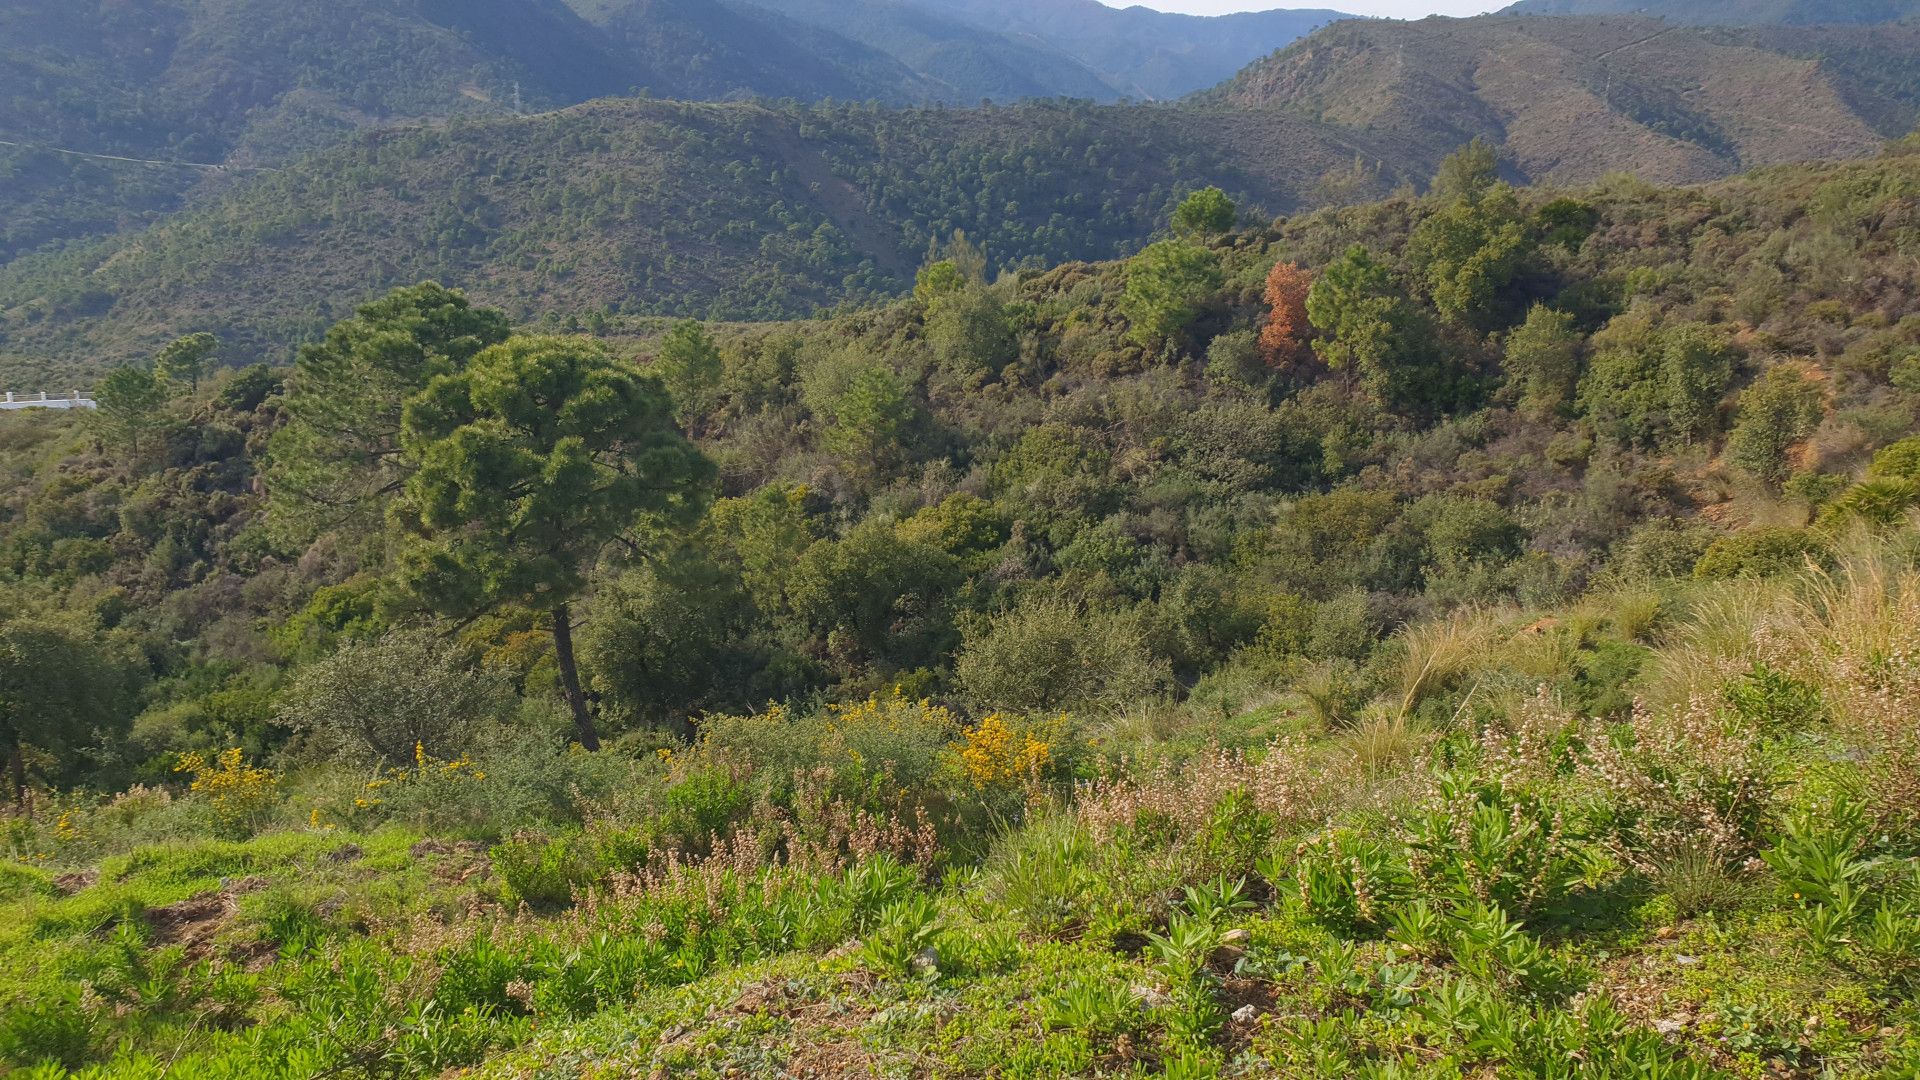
[902, 934]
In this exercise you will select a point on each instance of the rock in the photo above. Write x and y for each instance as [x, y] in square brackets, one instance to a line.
[1669, 1027]
[1150, 997]
[1686, 961]
[1236, 937]
[926, 961]
[348, 853]
[1245, 1014]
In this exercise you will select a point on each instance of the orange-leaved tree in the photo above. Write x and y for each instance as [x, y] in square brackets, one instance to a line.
[1285, 340]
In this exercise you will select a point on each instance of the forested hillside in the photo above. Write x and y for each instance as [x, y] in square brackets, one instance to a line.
[962, 62]
[760, 210]
[186, 85]
[1733, 12]
[1465, 634]
[1569, 100]
[258, 83]
[725, 210]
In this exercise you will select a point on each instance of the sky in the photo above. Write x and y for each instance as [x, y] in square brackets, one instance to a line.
[1396, 9]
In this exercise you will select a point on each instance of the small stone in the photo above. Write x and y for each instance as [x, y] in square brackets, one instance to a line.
[1686, 961]
[1245, 1014]
[1666, 933]
[1236, 937]
[1669, 1027]
[926, 961]
[1150, 997]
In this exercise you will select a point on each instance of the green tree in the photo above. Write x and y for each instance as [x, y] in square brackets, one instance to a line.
[1649, 384]
[689, 364]
[1543, 361]
[1166, 283]
[1368, 327]
[186, 360]
[871, 420]
[674, 639]
[62, 688]
[527, 464]
[1468, 172]
[970, 331]
[1697, 361]
[1051, 654]
[1468, 252]
[337, 460]
[937, 279]
[130, 403]
[1206, 213]
[1781, 408]
[876, 596]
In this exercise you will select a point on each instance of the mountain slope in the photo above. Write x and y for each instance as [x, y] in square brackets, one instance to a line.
[1733, 12]
[257, 82]
[730, 210]
[1569, 99]
[962, 62]
[1145, 53]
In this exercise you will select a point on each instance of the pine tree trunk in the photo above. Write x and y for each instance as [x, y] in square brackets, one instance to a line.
[570, 677]
[17, 772]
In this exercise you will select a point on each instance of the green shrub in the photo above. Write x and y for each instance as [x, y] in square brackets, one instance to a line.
[544, 873]
[388, 698]
[1765, 552]
[51, 1027]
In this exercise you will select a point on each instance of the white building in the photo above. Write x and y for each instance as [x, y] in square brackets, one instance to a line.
[41, 401]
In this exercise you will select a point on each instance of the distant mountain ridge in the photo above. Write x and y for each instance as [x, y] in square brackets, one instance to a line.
[1570, 99]
[260, 82]
[1734, 12]
[1145, 53]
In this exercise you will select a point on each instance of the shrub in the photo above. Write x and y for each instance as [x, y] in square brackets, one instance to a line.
[1780, 409]
[1096, 1006]
[1053, 655]
[389, 698]
[55, 1028]
[1764, 552]
[995, 752]
[240, 794]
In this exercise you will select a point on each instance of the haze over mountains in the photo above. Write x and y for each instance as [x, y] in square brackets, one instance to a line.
[735, 209]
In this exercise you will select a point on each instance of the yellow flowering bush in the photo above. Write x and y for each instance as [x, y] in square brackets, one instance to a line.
[901, 736]
[424, 783]
[241, 794]
[997, 751]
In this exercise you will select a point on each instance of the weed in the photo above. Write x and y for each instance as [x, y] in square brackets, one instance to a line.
[903, 932]
[1096, 1006]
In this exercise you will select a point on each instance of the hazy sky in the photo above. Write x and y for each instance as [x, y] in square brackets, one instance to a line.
[1398, 9]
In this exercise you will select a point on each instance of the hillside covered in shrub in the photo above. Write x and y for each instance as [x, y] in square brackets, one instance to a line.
[1456, 634]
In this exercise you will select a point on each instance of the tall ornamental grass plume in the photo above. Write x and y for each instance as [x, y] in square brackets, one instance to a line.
[1441, 652]
[1859, 641]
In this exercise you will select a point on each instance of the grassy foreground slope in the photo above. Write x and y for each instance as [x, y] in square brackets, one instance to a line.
[720, 210]
[1724, 885]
